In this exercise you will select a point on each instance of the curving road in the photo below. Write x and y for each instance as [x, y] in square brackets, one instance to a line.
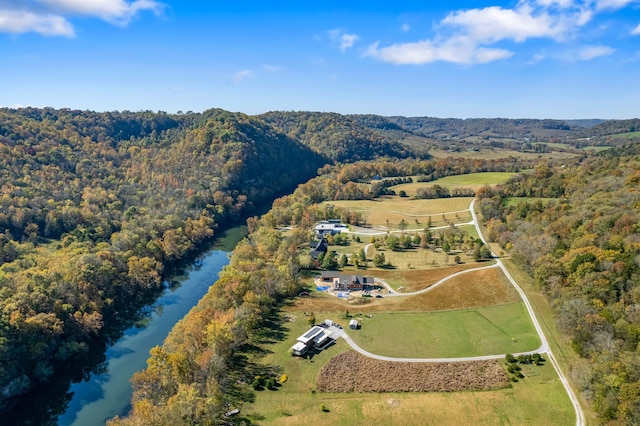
[544, 347]
[580, 419]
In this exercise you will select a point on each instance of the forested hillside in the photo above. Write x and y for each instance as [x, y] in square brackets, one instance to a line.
[613, 127]
[580, 240]
[95, 206]
[338, 137]
[503, 127]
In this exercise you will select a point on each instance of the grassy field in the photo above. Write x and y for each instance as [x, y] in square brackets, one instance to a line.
[537, 399]
[481, 331]
[471, 180]
[627, 135]
[387, 212]
[417, 258]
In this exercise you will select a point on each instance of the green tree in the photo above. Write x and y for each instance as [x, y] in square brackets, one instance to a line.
[379, 260]
[342, 262]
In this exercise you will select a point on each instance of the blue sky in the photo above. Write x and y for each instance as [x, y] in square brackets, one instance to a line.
[465, 59]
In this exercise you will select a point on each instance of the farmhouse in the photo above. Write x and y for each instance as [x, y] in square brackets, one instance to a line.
[347, 282]
[318, 248]
[328, 227]
[317, 337]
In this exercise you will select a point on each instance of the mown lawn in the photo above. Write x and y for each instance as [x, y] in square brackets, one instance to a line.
[481, 331]
[536, 400]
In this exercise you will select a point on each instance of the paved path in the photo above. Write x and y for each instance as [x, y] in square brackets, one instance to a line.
[544, 347]
[580, 419]
[393, 293]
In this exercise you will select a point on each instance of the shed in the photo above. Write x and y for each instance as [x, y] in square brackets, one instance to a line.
[354, 324]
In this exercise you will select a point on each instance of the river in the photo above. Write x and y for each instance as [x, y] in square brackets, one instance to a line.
[108, 394]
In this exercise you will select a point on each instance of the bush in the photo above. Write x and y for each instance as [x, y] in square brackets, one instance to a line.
[324, 408]
[283, 378]
[271, 383]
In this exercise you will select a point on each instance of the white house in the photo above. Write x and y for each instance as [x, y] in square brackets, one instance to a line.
[315, 337]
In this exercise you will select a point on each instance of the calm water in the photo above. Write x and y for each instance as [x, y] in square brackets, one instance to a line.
[107, 395]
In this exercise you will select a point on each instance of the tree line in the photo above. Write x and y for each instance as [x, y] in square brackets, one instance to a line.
[95, 207]
[581, 244]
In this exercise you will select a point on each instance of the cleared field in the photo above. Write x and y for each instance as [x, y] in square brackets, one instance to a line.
[418, 259]
[481, 331]
[387, 212]
[416, 279]
[353, 372]
[471, 180]
[627, 135]
[538, 399]
[475, 289]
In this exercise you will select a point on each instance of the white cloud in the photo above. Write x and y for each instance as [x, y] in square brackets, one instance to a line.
[344, 40]
[51, 17]
[22, 21]
[636, 30]
[492, 24]
[459, 50]
[560, 4]
[347, 41]
[405, 27]
[612, 4]
[114, 11]
[242, 75]
[592, 52]
[471, 36]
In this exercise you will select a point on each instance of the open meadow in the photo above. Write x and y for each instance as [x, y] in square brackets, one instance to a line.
[482, 331]
[387, 212]
[471, 181]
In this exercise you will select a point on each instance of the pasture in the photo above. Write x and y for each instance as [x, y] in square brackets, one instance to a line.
[472, 181]
[386, 213]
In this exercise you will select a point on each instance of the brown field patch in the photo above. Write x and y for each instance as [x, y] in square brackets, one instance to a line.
[417, 279]
[475, 289]
[353, 372]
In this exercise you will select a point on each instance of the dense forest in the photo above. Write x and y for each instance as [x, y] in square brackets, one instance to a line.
[95, 207]
[579, 237]
[337, 136]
